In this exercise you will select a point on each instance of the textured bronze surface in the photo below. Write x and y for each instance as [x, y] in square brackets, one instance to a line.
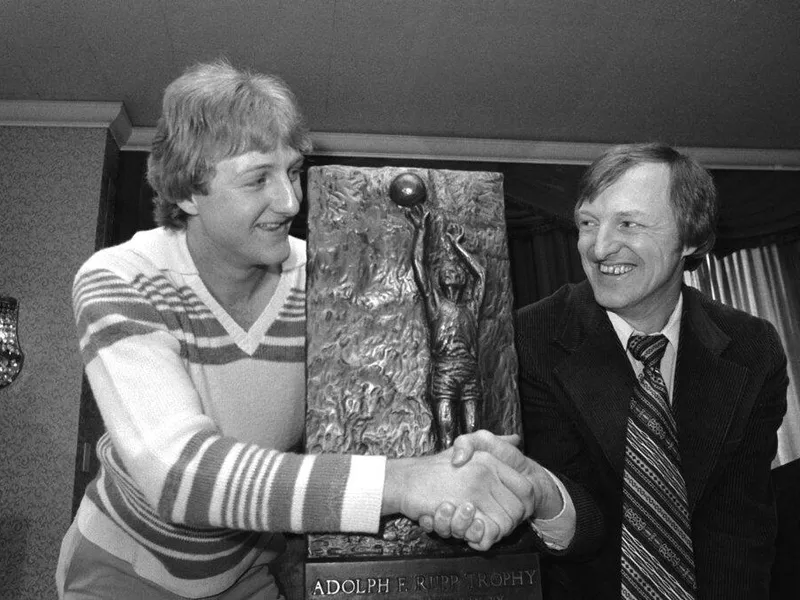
[370, 364]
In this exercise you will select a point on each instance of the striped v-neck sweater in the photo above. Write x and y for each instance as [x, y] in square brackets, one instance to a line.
[200, 417]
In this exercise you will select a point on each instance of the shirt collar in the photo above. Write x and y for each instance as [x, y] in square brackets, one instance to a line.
[671, 330]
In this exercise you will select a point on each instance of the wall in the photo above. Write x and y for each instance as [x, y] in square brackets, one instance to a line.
[51, 183]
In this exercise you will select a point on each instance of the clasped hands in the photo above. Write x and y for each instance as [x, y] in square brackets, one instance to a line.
[479, 490]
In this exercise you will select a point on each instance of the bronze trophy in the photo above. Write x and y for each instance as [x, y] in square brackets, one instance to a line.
[410, 343]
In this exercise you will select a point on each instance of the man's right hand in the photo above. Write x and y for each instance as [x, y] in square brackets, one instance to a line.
[500, 496]
[547, 502]
[451, 520]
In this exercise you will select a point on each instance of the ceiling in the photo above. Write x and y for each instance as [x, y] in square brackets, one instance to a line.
[712, 73]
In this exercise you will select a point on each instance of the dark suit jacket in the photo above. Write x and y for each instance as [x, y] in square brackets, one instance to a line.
[785, 584]
[729, 399]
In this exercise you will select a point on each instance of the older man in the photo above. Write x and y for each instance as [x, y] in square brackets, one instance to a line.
[655, 407]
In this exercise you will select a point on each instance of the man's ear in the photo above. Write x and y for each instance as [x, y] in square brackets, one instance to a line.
[189, 205]
[688, 251]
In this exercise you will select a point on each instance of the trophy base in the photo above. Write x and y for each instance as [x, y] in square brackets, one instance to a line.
[513, 576]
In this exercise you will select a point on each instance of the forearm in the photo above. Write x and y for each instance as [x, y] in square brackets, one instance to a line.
[245, 487]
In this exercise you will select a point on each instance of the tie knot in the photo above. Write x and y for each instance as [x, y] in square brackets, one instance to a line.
[647, 348]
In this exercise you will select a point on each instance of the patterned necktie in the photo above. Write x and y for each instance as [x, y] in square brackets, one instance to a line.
[657, 555]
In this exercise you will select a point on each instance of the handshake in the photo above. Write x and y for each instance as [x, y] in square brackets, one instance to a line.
[478, 490]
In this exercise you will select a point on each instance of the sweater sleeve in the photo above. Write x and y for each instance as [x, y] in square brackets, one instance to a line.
[166, 452]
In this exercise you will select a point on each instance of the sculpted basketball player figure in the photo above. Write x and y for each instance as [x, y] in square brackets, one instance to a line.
[452, 297]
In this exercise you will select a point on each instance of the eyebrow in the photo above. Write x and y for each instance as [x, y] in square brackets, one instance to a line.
[631, 213]
[256, 167]
[267, 165]
[622, 214]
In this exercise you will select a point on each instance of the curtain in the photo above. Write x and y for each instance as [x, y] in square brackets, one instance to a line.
[764, 282]
[542, 263]
[542, 237]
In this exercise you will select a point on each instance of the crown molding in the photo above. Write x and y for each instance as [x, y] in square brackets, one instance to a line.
[112, 115]
[507, 151]
[745, 158]
[453, 148]
[51, 113]
[140, 140]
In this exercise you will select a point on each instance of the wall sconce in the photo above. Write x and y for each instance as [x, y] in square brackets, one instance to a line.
[11, 357]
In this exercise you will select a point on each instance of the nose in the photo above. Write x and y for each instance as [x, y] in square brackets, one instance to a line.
[286, 196]
[606, 242]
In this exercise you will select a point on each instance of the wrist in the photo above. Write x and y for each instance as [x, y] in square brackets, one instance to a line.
[550, 502]
[395, 486]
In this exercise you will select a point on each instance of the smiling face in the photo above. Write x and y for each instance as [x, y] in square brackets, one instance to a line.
[630, 247]
[243, 221]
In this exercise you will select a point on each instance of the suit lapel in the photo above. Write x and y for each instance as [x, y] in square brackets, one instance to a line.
[708, 389]
[596, 374]
[598, 378]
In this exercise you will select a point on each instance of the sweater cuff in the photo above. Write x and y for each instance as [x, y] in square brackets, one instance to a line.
[363, 497]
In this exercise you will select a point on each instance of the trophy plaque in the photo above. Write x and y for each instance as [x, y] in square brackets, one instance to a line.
[409, 344]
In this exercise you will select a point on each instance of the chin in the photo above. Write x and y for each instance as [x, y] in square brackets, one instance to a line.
[610, 300]
[277, 255]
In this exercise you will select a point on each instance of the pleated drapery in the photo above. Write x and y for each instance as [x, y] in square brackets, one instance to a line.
[765, 282]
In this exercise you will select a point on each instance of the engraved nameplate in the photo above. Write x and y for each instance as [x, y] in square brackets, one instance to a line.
[479, 577]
